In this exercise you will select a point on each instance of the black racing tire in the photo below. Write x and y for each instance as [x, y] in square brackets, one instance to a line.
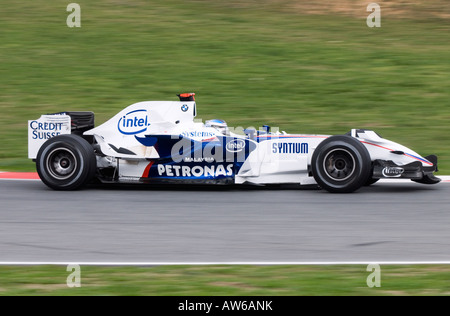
[341, 164]
[66, 162]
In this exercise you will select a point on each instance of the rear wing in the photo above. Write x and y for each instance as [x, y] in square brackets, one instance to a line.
[44, 128]
[51, 125]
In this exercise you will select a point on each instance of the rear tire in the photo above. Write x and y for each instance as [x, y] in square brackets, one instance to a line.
[66, 162]
[341, 164]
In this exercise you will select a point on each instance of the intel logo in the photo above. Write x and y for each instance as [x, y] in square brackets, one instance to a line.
[392, 172]
[134, 122]
[235, 146]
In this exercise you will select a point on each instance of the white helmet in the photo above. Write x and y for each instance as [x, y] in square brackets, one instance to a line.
[219, 125]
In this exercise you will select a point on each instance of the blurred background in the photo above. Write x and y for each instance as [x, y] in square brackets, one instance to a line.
[304, 67]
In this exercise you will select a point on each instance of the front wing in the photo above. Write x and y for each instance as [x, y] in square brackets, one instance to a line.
[414, 171]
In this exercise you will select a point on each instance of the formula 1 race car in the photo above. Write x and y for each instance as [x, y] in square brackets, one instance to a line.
[159, 142]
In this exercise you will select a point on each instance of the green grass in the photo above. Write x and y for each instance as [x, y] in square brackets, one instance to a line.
[226, 280]
[249, 64]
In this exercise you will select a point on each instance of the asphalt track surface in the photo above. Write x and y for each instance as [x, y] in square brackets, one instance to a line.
[383, 223]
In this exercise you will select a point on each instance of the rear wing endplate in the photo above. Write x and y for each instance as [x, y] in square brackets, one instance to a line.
[44, 128]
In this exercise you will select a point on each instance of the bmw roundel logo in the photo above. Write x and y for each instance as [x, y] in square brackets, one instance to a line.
[184, 107]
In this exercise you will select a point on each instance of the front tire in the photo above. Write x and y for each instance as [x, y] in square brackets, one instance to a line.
[341, 164]
[66, 162]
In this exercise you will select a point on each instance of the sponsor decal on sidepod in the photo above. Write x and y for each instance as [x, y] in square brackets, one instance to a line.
[195, 171]
[290, 148]
[134, 122]
[197, 134]
[235, 146]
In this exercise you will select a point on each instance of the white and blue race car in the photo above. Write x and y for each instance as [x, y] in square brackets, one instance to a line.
[160, 142]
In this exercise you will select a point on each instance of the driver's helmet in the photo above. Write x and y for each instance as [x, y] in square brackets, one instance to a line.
[219, 125]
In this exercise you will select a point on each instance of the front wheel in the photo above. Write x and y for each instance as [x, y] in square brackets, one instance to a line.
[341, 164]
[66, 162]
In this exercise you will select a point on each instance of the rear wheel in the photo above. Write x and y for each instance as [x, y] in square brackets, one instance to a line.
[341, 164]
[66, 162]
